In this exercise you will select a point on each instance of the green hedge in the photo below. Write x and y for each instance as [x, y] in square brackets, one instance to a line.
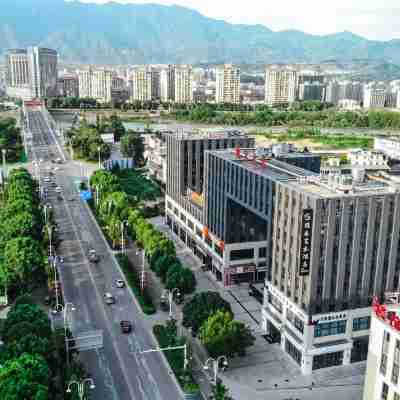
[133, 279]
[166, 336]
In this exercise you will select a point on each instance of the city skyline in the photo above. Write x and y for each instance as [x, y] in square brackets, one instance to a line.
[362, 18]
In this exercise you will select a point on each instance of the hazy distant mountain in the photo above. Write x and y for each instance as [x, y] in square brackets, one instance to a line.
[122, 34]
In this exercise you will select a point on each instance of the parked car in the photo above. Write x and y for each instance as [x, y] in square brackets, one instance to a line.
[109, 298]
[126, 326]
[93, 256]
[119, 283]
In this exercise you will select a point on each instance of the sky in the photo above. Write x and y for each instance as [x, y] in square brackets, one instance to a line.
[377, 20]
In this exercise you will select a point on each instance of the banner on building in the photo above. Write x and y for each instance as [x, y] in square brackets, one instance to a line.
[306, 236]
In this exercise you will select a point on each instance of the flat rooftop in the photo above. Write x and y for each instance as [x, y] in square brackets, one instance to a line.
[210, 134]
[374, 183]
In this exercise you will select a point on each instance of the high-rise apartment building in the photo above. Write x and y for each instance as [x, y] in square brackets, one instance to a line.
[69, 85]
[145, 84]
[375, 95]
[31, 73]
[280, 86]
[183, 90]
[337, 91]
[43, 71]
[96, 84]
[311, 86]
[227, 84]
[17, 74]
[167, 84]
[102, 85]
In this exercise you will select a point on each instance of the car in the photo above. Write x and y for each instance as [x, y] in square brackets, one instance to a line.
[109, 298]
[47, 179]
[93, 256]
[58, 189]
[119, 283]
[58, 161]
[59, 198]
[126, 326]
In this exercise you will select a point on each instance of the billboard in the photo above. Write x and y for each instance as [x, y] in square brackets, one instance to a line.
[306, 238]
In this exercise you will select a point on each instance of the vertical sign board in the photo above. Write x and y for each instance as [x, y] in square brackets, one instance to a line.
[306, 236]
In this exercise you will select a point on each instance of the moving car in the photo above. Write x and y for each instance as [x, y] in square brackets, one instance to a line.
[119, 283]
[109, 298]
[46, 179]
[93, 256]
[58, 189]
[126, 326]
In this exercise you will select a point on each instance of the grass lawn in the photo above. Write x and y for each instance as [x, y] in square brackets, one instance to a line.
[135, 183]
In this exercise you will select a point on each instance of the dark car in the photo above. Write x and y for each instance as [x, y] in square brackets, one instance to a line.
[126, 326]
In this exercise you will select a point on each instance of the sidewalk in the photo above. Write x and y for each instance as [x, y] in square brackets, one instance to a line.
[266, 371]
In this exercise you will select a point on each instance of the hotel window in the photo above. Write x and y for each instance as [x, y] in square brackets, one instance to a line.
[385, 351]
[361, 324]
[396, 363]
[330, 328]
[385, 391]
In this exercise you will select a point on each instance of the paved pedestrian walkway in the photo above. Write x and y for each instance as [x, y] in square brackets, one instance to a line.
[265, 372]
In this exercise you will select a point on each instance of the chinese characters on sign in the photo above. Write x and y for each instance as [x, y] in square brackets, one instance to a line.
[306, 235]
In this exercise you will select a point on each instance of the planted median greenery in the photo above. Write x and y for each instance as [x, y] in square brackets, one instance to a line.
[133, 279]
[167, 336]
[113, 208]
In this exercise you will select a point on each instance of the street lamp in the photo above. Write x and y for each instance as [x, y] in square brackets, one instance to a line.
[50, 232]
[4, 152]
[215, 365]
[55, 280]
[81, 386]
[143, 273]
[122, 235]
[99, 149]
[170, 299]
[64, 310]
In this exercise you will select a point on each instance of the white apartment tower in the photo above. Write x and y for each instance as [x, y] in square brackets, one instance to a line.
[102, 85]
[145, 84]
[85, 83]
[228, 84]
[167, 84]
[183, 84]
[280, 86]
[31, 73]
[17, 74]
[375, 95]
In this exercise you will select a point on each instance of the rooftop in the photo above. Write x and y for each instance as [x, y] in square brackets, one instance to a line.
[210, 134]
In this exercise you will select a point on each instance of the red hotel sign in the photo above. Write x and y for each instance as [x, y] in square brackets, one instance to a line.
[382, 312]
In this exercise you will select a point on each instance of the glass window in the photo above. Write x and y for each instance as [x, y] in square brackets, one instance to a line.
[361, 324]
[183, 218]
[327, 360]
[396, 396]
[262, 252]
[385, 350]
[242, 254]
[190, 224]
[396, 363]
[330, 328]
[385, 391]
[199, 232]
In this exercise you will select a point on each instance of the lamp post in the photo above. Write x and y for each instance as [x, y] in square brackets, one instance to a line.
[143, 273]
[55, 280]
[4, 152]
[81, 386]
[170, 299]
[50, 232]
[64, 310]
[122, 236]
[99, 150]
[215, 365]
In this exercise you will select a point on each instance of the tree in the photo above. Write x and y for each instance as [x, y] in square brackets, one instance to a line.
[162, 265]
[23, 260]
[30, 344]
[220, 392]
[25, 378]
[132, 146]
[181, 278]
[200, 307]
[222, 335]
[30, 313]
[23, 224]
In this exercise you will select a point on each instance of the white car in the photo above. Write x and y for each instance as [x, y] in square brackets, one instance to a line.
[47, 179]
[58, 189]
[119, 283]
[109, 298]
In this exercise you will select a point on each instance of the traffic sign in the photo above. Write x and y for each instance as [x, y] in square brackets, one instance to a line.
[86, 195]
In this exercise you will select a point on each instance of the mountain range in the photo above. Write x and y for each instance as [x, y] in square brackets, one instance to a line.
[113, 33]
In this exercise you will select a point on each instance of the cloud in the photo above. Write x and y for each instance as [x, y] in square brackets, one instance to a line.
[361, 17]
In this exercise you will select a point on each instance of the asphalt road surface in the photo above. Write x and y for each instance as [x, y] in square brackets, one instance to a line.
[119, 370]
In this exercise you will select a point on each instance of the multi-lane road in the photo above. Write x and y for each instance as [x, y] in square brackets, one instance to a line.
[120, 371]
